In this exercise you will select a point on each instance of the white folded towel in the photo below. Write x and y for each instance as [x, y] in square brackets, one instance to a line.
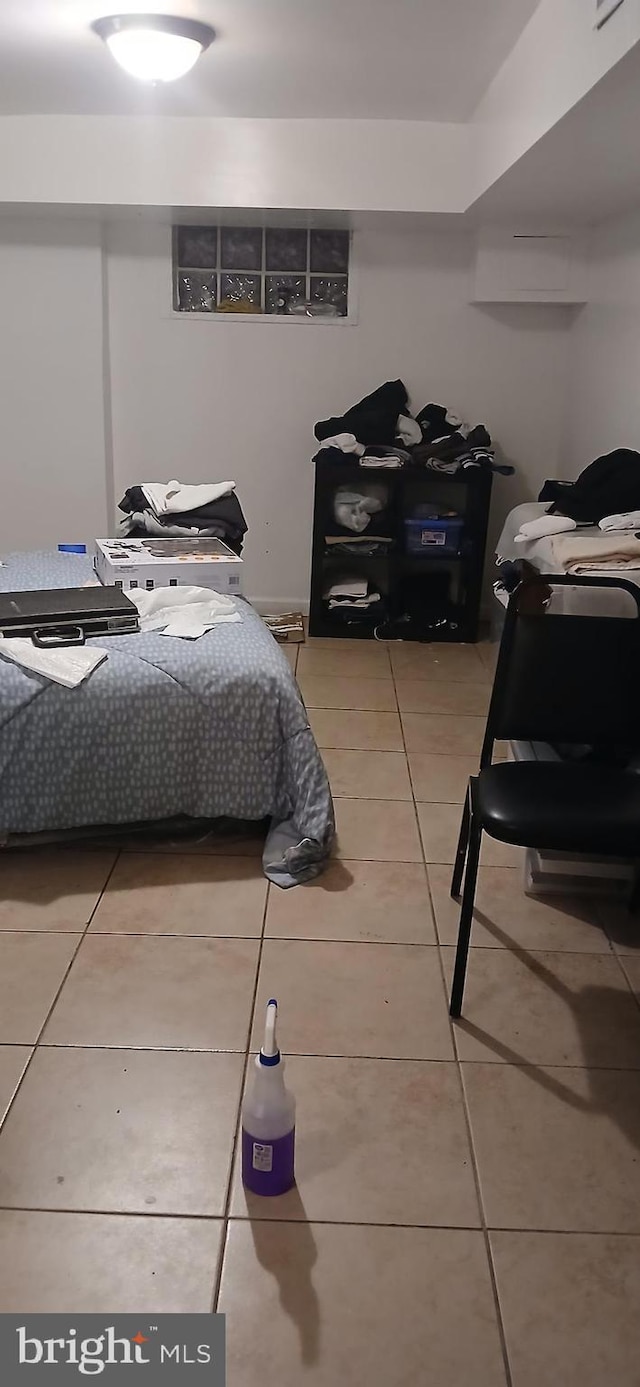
[186, 612]
[172, 498]
[67, 665]
[629, 520]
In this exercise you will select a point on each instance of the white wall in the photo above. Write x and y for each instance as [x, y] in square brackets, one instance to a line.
[558, 58]
[603, 399]
[218, 398]
[52, 435]
[197, 161]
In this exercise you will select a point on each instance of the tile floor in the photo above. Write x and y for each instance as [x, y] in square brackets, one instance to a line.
[468, 1200]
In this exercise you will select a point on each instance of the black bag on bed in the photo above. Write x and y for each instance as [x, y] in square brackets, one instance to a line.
[609, 486]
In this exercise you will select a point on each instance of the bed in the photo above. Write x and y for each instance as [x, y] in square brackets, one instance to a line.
[551, 872]
[164, 728]
[541, 552]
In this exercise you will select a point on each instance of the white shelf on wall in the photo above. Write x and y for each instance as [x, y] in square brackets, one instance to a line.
[520, 266]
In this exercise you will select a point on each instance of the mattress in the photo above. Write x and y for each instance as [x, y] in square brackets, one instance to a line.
[212, 728]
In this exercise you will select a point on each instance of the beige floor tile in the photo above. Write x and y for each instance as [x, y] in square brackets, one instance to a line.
[451, 662]
[51, 889]
[372, 902]
[631, 968]
[506, 916]
[380, 1000]
[570, 1307]
[443, 734]
[376, 695]
[340, 1307]
[368, 774]
[290, 653]
[556, 1148]
[547, 1008]
[377, 830]
[150, 893]
[379, 1141]
[356, 731]
[443, 696]
[622, 927]
[368, 661]
[32, 967]
[440, 829]
[121, 1131]
[129, 990]
[488, 652]
[441, 779]
[13, 1061]
[106, 1263]
[344, 642]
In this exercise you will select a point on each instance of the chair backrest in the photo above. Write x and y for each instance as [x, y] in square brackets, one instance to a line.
[569, 664]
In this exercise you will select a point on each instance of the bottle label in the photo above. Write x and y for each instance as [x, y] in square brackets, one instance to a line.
[262, 1157]
[268, 1166]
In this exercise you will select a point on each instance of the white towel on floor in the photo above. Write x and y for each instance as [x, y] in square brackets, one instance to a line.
[68, 665]
[172, 498]
[186, 612]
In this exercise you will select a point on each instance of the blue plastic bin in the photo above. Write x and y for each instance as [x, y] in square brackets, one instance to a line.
[433, 537]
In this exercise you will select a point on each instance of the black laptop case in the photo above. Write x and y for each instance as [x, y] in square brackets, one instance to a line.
[67, 616]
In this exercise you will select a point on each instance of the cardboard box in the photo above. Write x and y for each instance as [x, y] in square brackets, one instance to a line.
[161, 563]
[286, 627]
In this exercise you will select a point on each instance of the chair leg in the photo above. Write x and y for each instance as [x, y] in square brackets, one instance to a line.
[461, 851]
[634, 898]
[466, 918]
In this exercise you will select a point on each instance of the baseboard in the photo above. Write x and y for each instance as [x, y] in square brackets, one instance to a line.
[273, 606]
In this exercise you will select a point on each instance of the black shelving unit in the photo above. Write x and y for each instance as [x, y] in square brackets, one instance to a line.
[441, 592]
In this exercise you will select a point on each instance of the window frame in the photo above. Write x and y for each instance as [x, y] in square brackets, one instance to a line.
[349, 319]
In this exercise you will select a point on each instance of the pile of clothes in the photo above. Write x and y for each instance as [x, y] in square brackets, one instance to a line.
[168, 509]
[608, 487]
[381, 431]
[350, 595]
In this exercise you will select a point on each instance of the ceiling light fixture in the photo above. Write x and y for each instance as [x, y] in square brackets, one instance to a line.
[154, 47]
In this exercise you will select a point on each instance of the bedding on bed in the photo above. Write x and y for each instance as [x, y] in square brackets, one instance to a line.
[594, 553]
[213, 728]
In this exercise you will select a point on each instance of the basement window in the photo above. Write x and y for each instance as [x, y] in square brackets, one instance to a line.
[286, 271]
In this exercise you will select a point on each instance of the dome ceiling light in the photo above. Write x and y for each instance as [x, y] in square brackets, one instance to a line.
[154, 47]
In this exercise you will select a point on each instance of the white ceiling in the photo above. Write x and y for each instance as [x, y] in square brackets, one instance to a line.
[386, 59]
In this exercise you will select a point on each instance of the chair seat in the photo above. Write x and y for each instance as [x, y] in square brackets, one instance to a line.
[569, 808]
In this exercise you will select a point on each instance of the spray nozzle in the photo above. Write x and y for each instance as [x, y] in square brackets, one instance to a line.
[270, 1054]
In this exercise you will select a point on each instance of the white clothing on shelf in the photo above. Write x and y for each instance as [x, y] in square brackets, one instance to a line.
[390, 460]
[346, 442]
[359, 603]
[348, 587]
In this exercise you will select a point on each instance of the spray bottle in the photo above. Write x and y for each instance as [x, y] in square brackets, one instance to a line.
[268, 1120]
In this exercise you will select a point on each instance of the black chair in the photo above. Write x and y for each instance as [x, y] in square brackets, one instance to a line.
[567, 679]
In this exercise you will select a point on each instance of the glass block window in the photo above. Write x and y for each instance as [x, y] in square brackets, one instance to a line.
[272, 270]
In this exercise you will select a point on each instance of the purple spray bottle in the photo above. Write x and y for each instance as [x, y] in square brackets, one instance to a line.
[268, 1120]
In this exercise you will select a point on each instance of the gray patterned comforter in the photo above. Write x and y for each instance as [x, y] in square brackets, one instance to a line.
[165, 727]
